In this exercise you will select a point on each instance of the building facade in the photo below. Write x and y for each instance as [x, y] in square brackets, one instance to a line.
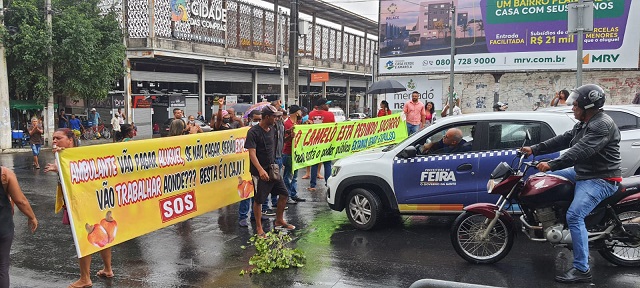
[188, 53]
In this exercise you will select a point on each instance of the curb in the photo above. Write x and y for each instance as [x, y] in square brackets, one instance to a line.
[434, 283]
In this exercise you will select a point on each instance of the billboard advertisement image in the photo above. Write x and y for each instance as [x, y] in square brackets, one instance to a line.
[503, 35]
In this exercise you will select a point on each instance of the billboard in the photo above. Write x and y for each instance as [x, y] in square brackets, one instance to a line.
[430, 91]
[503, 35]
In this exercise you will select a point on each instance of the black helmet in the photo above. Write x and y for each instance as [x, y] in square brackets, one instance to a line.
[587, 96]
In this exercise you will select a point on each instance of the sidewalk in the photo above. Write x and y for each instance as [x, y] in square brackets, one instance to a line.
[27, 148]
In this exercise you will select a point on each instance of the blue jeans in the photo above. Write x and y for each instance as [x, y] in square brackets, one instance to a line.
[290, 179]
[314, 173]
[412, 128]
[35, 149]
[588, 194]
[246, 205]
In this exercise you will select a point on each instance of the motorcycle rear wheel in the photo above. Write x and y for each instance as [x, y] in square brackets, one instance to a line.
[625, 254]
[466, 235]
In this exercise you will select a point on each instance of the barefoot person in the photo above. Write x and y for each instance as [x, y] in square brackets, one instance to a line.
[10, 193]
[64, 139]
[261, 143]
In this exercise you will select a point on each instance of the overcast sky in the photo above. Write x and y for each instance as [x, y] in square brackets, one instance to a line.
[366, 8]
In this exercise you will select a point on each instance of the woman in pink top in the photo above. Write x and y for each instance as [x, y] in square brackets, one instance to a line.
[431, 114]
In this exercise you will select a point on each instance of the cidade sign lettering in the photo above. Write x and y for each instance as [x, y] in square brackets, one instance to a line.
[199, 14]
[212, 16]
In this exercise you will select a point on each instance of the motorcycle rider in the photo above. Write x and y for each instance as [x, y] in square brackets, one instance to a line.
[594, 153]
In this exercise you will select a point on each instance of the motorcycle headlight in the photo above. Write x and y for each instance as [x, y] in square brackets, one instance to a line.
[335, 170]
[492, 183]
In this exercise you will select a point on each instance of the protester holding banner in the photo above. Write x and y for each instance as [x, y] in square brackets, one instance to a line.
[291, 176]
[192, 127]
[125, 134]
[321, 115]
[176, 128]
[65, 139]
[261, 143]
[10, 193]
[247, 204]
[414, 113]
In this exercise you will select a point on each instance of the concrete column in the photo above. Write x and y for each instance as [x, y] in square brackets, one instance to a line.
[254, 86]
[5, 116]
[127, 91]
[348, 96]
[201, 89]
[49, 116]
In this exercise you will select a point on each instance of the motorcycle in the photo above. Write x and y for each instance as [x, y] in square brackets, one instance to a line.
[485, 232]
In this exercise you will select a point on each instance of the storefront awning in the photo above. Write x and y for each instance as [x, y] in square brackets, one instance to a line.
[27, 105]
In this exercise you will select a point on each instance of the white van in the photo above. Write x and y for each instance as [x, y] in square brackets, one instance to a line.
[338, 114]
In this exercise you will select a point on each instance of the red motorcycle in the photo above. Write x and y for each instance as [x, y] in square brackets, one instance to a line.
[484, 233]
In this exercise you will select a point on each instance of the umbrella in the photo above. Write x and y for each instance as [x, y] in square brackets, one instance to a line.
[386, 86]
[258, 106]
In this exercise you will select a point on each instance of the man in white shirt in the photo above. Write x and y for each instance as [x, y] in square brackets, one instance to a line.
[115, 126]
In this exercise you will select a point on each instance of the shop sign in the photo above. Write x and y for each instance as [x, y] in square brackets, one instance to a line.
[320, 77]
[177, 101]
[141, 101]
[204, 20]
[117, 101]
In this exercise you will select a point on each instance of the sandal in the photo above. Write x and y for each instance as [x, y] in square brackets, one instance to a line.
[306, 177]
[101, 273]
[287, 227]
[311, 189]
[262, 235]
[320, 177]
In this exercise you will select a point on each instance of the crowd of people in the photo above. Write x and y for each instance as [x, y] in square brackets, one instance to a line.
[269, 142]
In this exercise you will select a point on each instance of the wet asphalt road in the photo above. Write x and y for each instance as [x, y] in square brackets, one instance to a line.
[205, 251]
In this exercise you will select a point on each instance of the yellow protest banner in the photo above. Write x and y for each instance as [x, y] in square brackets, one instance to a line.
[316, 143]
[116, 192]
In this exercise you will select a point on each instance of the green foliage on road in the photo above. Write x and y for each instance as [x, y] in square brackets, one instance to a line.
[87, 50]
[272, 253]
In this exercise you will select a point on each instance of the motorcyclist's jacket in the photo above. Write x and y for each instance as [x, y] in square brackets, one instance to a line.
[594, 149]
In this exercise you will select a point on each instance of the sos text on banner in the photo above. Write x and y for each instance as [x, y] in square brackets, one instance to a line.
[117, 192]
[316, 143]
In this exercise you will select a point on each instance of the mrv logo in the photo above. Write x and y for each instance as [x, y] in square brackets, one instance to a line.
[604, 58]
[437, 177]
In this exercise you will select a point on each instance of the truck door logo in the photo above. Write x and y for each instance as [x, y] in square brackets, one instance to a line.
[437, 177]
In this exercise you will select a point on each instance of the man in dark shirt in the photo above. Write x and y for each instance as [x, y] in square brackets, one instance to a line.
[451, 142]
[261, 145]
[63, 121]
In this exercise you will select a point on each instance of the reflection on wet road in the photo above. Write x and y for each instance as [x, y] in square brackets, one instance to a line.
[205, 251]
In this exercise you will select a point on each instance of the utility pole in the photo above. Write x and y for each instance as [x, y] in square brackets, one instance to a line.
[5, 117]
[580, 19]
[49, 113]
[453, 58]
[293, 53]
[280, 52]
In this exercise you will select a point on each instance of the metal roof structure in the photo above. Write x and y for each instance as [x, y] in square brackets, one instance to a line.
[333, 13]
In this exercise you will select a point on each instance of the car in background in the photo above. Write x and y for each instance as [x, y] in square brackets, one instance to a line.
[164, 129]
[627, 117]
[338, 114]
[399, 179]
[357, 116]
